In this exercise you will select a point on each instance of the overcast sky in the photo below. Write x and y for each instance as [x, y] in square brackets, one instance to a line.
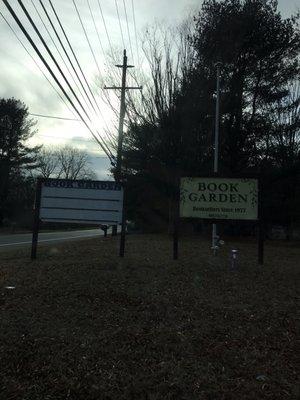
[21, 78]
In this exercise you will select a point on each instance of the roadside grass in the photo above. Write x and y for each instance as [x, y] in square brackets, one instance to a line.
[82, 323]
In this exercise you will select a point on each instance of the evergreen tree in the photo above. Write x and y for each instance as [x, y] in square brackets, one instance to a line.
[15, 156]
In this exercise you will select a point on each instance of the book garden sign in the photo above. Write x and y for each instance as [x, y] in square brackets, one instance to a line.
[78, 201]
[221, 199]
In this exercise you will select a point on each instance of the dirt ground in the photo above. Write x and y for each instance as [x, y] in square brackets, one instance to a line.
[83, 324]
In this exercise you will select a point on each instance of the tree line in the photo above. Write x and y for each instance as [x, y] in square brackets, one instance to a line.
[170, 133]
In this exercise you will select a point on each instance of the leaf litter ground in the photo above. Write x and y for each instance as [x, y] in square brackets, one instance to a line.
[82, 323]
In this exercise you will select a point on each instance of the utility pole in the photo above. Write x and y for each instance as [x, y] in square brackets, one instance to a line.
[123, 89]
[216, 150]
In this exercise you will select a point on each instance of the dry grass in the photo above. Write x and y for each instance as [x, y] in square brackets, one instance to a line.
[84, 324]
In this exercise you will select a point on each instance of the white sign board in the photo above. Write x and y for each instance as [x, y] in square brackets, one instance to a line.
[90, 202]
[219, 198]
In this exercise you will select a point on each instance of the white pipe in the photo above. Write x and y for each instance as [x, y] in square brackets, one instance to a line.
[216, 149]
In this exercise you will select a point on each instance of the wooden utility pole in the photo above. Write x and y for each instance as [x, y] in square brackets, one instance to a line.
[123, 89]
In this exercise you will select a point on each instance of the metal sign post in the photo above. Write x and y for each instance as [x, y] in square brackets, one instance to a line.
[176, 219]
[175, 238]
[123, 231]
[261, 227]
[261, 239]
[216, 151]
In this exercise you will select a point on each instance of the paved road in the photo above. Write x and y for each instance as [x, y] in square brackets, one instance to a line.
[24, 239]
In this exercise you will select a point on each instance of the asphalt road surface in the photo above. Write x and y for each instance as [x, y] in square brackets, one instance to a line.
[24, 239]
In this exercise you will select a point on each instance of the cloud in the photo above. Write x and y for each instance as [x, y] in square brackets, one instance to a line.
[100, 165]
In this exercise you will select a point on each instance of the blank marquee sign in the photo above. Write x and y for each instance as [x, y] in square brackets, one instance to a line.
[77, 201]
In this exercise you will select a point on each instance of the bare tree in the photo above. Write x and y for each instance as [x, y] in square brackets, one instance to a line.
[47, 163]
[65, 163]
[168, 55]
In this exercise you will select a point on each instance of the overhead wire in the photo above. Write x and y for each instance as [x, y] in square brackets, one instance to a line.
[73, 53]
[128, 31]
[135, 31]
[36, 63]
[91, 49]
[52, 56]
[86, 36]
[100, 42]
[55, 45]
[94, 22]
[76, 139]
[96, 29]
[55, 117]
[121, 30]
[104, 23]
[67, 55]
[76, 59]
[27, 35]
[108, 131]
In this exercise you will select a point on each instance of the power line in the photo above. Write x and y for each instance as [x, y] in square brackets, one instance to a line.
[135, 31]
[75, 57]
[79, 66]
[52, 57]
[56, 47]
[67, 55]
[86, 36]
[89, 6]
[48, 67]
[128, 32]
[90, 46]
[98, 141]
[75, 139]
[54, 117]
[27, 51]
[77, 61]
[94, 22]
[117, 8]
[108, 38]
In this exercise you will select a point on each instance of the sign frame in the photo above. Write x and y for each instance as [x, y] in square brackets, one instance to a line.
[37, 208]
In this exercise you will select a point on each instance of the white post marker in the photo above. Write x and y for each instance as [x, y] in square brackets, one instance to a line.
[216, 151]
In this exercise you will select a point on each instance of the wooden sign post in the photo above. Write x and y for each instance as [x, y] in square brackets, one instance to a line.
[36, 219]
